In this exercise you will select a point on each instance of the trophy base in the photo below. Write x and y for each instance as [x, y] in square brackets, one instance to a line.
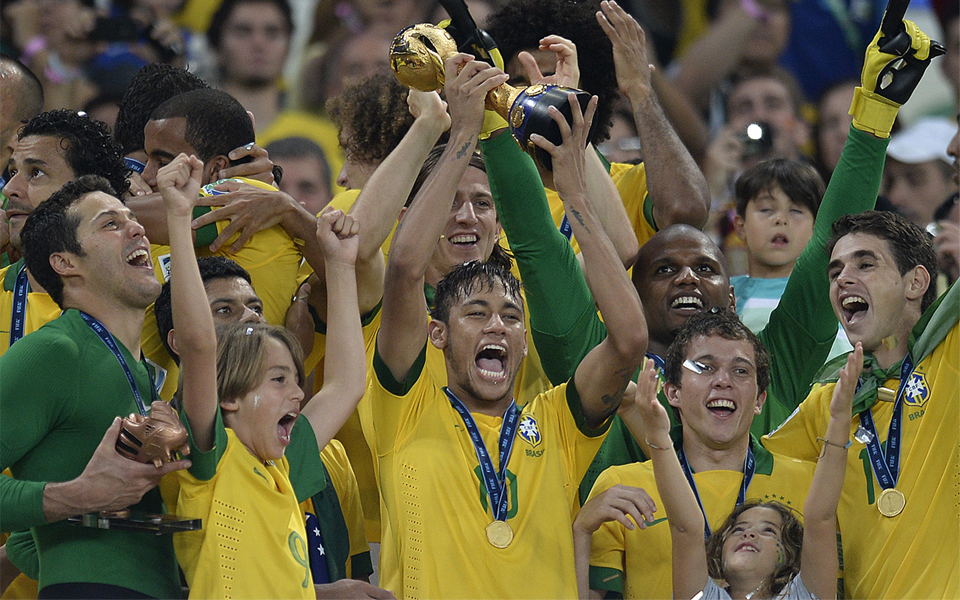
[136, 521]
[529, 114]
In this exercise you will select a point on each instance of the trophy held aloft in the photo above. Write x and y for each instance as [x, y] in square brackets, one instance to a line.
[417, 56]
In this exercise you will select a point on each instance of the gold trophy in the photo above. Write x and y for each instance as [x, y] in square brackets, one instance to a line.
[419, 51]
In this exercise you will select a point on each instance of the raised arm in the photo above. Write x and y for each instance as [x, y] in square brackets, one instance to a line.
[604, 373]
[683, 511]
[818, 557]
[344, 370]
[403, 325]
[196, 340]
[675, 183]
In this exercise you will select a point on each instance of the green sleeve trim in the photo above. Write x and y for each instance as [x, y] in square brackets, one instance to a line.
[204, 464]
[22, 504]
[648, 212]
[333, 528]
[10, 280]
[576, 409]
[207, 233]
[361, 565]
[605, 578]
[320, 327]
[307, 474]
[385, 377]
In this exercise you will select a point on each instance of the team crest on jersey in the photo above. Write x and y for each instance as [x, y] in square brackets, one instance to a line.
[528, 430]
[916, 391]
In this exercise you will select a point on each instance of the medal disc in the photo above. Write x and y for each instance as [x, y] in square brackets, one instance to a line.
[499, 534]
[891, 502]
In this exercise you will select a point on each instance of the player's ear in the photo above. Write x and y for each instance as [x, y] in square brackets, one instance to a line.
[212, 168]
[172, 341]
[761, 399]
[917, 281]
[230, 404]
[738, 227]
[673, 394]
[437, 330]
[62, 263]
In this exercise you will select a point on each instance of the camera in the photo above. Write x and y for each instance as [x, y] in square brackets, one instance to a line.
[757, 140]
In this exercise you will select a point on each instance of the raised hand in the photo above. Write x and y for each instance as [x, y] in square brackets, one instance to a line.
[619, 503]
[337, 233]
[569, 158]
[429, 106]
[467, 84]
[179, 184]
[842, 402]
[567, 72]
[652, 416]
[260, 167]
[629, 49]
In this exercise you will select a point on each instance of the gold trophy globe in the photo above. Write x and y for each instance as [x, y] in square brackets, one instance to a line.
[417, 56]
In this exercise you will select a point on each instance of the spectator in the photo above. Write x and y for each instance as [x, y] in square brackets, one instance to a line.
[917, 176]
[306, 173]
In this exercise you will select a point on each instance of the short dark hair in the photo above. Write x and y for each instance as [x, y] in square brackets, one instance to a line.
[300, 147]
[29, 98]
[500, 255]
[799, 181]
[374, 111]
[225, 11]
[718, 322]
[211, 269]
[216, 122]
[520, 24]
[86, 143]
[50, 229]
[468, 278]
[791, 537]
[153, 85]
[910, 245]
[778, 73]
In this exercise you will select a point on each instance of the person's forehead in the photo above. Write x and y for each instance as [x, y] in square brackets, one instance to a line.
[760, 88]
[721, 348]
[48, 149]
[761, 513]
[481, 292]
[159, 134]
[681, 245]
[255, 13]
[855, 243]
[93, 204]
[229, 287]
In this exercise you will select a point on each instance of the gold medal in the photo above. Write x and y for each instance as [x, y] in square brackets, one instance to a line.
[891, 502]
[499, 534]
[886, 394]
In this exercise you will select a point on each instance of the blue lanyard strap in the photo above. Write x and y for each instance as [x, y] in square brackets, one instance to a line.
[111, 344]
[886, 466]
[18, 315]
[565, 228]
[657, 360]
[749, 467]
[496, 482]
[134, 165]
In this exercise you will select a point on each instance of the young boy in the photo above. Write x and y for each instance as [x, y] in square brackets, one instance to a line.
[777, 202]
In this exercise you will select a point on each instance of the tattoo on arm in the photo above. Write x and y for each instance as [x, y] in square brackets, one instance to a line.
[579, 218]
[463, 151]
[612, 401]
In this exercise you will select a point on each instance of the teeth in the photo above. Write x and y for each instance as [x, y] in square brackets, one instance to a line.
[491, 374]
[687, 300]
[722, 404]
[853, 300]
[463, 239]
[136, 254]
[493, 347]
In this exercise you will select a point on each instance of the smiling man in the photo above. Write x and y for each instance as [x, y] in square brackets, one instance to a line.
[89, 252]
[882, 269]
[716, 373]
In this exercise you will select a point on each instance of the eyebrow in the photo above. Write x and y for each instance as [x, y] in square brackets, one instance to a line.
[114, 213]
[162, 153]
[856, 255]
[710, 357]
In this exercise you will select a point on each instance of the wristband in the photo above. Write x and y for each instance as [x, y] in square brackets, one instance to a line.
[873, 113]
[670, 447]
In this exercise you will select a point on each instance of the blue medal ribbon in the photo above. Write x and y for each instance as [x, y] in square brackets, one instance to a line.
[565, 228]
[496, 482]
[657, 360]
[18, 316]
[749, 467]
[107, 339]
[886, 467]
[134, 165]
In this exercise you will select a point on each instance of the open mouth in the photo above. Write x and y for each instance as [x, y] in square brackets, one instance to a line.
[687, 304]
[492, 362]
[722, 407]
[139, 258]
[285, 427]
[853, 308]
[746, 548]
[779, 240]
[464, 239]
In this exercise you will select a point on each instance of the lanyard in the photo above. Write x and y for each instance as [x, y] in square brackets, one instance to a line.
[565, 228]
[657, 360]
[495, 482]
[111, 344]
[887, 467]
[18, 315]
[134, 165]
[749, 466]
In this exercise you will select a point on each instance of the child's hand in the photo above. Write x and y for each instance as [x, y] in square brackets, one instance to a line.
[615, 504]
[653, 418]
[569, 158]
[179, 184]
[337, 233]
[841, 405]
